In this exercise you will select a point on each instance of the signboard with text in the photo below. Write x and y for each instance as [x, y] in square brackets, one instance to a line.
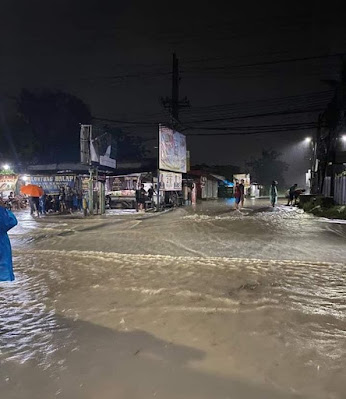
[97, 149]
[8, 183]
[52, 184]
[172, 150]
[170, 181]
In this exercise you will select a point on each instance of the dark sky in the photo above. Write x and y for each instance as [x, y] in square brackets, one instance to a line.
[236, 59]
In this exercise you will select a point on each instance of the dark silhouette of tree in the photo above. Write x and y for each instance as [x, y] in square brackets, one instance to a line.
[53, 119]
[128, 148]
[267, 168]
[46, 129]
[24, 143]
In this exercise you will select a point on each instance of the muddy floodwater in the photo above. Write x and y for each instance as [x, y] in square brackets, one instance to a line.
[202, 302]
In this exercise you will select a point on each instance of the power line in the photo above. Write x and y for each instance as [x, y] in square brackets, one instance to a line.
[273, 99]
[274, 62]
[125, 122]
[248, 133]
[152, 74]
[257, 126]
[257, 115]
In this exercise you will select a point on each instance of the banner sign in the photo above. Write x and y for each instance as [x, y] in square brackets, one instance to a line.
[52, 184]
[100, 149]
[170, 181]
[123, 193]
[8, 182]
[172, 150]
[121, 183]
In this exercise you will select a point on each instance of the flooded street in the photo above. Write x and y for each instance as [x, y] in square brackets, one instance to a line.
[202, 302]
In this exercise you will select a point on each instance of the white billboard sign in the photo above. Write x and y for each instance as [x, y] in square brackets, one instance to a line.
[172, 150]
[96, 149]
[170, 181]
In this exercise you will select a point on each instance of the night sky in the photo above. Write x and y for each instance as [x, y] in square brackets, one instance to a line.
[237, 59]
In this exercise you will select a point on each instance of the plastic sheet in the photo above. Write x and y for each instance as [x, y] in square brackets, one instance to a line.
[7, 222]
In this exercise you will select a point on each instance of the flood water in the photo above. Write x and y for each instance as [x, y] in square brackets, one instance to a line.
[201, 302]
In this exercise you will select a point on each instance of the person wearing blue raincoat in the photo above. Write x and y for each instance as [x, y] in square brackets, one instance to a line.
[7, 221]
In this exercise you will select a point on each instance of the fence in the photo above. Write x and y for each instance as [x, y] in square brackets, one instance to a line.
[340, 190]
[327, 186]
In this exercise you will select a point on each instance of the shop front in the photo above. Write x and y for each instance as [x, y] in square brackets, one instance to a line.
[207, 185]
[8, 184]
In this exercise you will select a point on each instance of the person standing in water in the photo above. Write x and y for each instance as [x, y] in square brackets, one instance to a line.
[242, 191]
[7, 221]
[273, 193]
[237, 195]
[291, 194]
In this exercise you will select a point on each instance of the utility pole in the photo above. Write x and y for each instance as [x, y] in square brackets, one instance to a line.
[334, 132]
[174, 104]
[315, 164]
[334, 119]
[175, 88]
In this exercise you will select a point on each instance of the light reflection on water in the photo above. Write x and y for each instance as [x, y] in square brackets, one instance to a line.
[62, 283]
[49, 280]
[27, 325]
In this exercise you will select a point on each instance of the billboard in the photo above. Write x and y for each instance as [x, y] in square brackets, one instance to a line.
[52, 184]
[172, 150]
[97, 149]
[170, 181]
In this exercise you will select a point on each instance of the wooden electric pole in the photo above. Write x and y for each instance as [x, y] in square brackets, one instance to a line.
[174, 104]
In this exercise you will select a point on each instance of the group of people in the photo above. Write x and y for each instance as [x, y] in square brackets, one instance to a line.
[293, 194]
[14, 201]
[68, 200]
[239, 194]
[142, 196]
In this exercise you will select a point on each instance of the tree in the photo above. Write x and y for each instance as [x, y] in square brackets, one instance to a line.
[46, 129]
[53, 119]
[129, 148]
[268, 168]
[19, 144]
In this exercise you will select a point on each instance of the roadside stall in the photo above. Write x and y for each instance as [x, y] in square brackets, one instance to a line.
[171, 187]
[206, 184]
[121, 189]
[62, 192]
[8, 184]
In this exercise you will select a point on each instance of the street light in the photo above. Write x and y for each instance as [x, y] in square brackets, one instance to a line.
[308, 139]
[6, 166]
[343, 138]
